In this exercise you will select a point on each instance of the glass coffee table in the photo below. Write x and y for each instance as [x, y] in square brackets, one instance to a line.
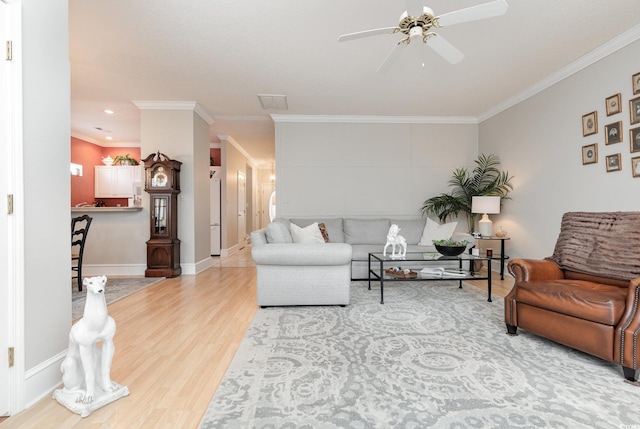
[417, 261]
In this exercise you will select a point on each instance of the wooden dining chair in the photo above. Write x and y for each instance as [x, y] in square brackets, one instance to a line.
[79, 230]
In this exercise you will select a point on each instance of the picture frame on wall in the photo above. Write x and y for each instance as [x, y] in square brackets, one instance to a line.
[634, 139]
[635, 79]
[590, 154]
[590, 123]
[614, 104]
[614, 162]
[635, 166]
[613, 133]
[634, 110]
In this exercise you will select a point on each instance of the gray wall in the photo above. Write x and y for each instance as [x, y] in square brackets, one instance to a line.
[46, 192]
[371, 169]
[181, 134]
[540, 141]
[366, 169]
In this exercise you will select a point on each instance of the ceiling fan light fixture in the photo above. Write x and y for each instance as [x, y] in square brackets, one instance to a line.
[415, 33]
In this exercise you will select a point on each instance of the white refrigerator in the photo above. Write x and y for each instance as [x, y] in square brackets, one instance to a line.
[215, 214]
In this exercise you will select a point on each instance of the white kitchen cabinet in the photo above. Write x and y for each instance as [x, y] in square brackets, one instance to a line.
[116, 181]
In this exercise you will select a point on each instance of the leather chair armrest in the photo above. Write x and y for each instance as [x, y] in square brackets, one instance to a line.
[534, 269]
[626, 341]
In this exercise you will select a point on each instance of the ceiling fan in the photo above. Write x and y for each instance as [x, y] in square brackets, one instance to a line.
[416, 22]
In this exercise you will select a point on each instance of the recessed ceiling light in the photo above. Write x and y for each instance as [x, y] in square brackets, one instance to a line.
[109, 111]
[273, 101]
[109, 138]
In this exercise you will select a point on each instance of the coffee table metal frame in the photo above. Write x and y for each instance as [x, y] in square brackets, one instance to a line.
[377, 273]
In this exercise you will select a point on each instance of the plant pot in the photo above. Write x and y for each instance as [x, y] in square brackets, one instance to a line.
[450, 250]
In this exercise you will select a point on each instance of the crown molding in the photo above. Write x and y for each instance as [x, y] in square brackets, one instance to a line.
[228, 139]
[97, 142]
[372, 119]
[613, 45]
[175, 105]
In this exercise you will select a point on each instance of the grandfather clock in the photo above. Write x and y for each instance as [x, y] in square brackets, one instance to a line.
[162, 182]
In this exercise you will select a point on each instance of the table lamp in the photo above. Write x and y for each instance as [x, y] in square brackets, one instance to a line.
[486, 206]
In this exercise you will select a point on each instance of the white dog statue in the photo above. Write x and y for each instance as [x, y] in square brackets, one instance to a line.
[394, 240]
[86, 370]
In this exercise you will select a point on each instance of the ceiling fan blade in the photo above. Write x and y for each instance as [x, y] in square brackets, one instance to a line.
[366, 33]
[481, 11]
[414, 7]
[445, 49]
[391, 58]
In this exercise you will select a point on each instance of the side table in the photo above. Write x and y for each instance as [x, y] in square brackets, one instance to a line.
[502, 256]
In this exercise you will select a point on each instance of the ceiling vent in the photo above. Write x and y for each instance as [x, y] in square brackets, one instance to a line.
[272, 101]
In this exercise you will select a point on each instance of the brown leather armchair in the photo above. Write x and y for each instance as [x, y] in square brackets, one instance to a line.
[586, 295]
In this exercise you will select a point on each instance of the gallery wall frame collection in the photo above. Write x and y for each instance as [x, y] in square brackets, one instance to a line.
[634, 140]
[613, 132]
[635, 166]
[590, 154]
[614, 104]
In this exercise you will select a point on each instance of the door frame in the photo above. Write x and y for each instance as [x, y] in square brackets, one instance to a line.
[11, 183]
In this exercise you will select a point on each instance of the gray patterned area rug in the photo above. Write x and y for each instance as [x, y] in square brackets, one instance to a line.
[116, 289]
[433, 356]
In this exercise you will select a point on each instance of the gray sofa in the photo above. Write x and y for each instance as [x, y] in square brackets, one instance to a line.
[310, 274]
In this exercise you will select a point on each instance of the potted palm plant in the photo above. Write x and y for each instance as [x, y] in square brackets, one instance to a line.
[486, 179]
[124, 160]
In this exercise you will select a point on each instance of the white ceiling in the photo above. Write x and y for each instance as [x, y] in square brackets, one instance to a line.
[223, 53]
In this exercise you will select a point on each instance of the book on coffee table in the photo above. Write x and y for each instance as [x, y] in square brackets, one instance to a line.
[443, 272]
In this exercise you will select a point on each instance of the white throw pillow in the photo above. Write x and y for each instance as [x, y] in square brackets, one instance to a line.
[435, 231]
[308, 234]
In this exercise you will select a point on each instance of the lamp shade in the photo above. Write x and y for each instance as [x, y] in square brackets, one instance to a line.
[485, 205]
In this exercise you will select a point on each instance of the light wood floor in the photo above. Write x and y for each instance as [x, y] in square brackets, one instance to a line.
[174, 342]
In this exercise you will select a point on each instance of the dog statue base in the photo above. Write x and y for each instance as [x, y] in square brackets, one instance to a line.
[73, 400]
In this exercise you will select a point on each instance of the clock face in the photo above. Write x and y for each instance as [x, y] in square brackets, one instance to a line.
[159, 178]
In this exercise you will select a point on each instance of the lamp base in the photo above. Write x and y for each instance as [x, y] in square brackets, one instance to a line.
[485, 226]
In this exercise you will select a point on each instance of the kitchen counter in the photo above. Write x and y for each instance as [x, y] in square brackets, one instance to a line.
[92, 209]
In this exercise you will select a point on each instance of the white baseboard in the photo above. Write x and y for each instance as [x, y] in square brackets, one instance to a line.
[230, 251]
[42, 379]
[203, 265]
[113, 270]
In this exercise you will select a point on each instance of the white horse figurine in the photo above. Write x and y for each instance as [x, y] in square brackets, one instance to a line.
[394, 240]
[85, 364]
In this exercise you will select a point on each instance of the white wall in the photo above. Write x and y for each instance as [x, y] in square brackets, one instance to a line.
[540, 142]
[176, 130]
[46, 197]
[366, 169]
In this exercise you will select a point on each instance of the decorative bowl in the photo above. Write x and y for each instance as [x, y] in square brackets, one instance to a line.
[450, 250]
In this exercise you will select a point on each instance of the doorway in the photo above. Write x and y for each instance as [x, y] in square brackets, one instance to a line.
[242, 210]
[265, 207]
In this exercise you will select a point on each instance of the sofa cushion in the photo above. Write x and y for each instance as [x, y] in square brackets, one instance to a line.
[333, 227]
[277, 232]
[308, 234]
[410, 229]
[366, 231]
[434, 231]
